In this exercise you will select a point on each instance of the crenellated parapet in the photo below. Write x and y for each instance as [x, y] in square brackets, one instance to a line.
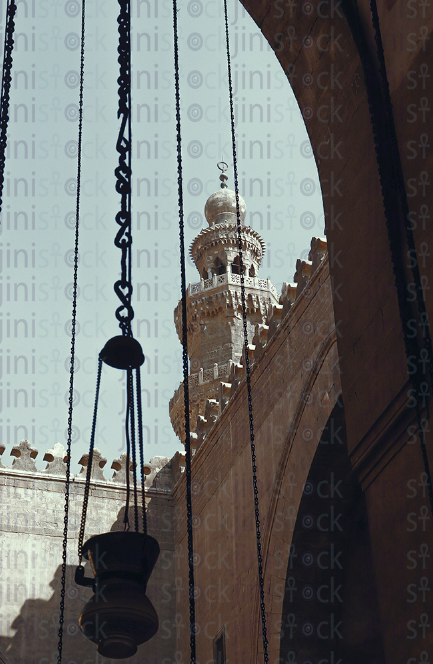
[288, 296]
[98, 462]
[159, 471]
[302, 274]
[56, 458]
[119, 467]
[260, 339]
[318, 251]
[24, 455]
[178, 466]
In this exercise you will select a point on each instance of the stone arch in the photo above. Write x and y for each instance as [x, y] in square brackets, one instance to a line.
[330, 601]
[306, 429]
[365, 307]
[298, 527]
[319, 47]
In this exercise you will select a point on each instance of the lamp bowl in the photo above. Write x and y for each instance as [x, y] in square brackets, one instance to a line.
[120, 617]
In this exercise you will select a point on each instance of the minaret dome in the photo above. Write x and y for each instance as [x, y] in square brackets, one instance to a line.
[221, 208]
[215, 250]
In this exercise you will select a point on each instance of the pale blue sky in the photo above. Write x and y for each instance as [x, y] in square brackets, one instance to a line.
[278, 179]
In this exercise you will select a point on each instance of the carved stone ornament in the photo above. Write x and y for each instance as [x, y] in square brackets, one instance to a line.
[56, 458]
[24, 454]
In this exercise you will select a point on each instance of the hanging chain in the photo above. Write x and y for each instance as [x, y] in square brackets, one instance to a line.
[89, 466]
[247, 360]
[128, 458]
[73, 335]
[140, 446]
[123, 240]
[393, 193]
[130, 388]
[5, 91]
[192, 625]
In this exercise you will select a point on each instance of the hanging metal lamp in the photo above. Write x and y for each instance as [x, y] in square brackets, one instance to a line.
[120, 617]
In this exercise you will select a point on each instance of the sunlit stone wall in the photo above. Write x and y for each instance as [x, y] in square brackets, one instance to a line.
[31, 524]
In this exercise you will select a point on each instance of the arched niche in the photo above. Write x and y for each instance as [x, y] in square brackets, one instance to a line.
[218, 267]
[330, 609]
[236, 268]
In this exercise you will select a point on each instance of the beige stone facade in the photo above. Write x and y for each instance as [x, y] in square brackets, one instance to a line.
[294, 354]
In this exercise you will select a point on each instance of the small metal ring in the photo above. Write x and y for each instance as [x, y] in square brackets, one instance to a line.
[221, 165]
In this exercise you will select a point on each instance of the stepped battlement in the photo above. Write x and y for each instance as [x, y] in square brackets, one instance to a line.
[161, 473]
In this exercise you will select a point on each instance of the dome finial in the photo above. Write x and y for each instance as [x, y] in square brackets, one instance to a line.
[221, 206]
[223, 177]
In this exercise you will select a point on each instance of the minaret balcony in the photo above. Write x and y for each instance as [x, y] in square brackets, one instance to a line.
[233, 279]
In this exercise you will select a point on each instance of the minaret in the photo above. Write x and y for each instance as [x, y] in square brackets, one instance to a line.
[214, 304]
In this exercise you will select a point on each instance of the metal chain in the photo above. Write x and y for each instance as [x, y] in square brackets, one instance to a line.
[5, 89]
[192, 625]
[128, 460]
[89, 466]
[247, 361]
[140, 445]
[123, 240]
[130, 388]
[393, 193]
[73, 335]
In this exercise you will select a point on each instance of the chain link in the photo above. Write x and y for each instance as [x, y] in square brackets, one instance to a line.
[192, 624]
[247, 361]
[5, 89]
[89, 466]
[123, 240]
[130, 388]
[73, 336]
[140, 445]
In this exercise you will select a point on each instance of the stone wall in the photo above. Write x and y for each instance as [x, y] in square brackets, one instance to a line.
[31, 524]
[295, 386]
[364, 208]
